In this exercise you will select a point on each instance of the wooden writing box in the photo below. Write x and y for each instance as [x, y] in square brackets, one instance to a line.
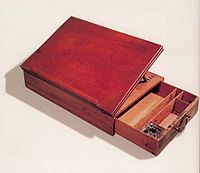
[101, 75]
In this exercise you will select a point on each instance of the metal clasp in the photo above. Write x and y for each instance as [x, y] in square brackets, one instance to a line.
[181, 126]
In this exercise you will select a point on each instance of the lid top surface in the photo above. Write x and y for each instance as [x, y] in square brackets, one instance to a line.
[99, 64]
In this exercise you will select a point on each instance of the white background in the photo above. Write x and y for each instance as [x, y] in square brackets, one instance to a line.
[37, 136]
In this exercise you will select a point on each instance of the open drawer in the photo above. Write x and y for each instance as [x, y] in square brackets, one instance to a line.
[157, 117]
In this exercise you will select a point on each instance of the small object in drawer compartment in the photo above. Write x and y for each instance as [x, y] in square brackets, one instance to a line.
[153, 130]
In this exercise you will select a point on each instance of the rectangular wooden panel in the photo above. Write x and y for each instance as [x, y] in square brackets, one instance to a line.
[101, 65]
[70, 102]
[141, 109]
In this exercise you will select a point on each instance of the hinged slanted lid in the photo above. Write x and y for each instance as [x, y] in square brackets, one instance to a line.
[98, 64]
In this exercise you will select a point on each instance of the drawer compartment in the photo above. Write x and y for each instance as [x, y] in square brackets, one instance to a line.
[154, 120]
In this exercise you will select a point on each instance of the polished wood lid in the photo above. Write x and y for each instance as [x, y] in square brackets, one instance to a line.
[99, 65]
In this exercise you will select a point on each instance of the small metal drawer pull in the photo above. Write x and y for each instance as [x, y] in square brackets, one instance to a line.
[182, 124]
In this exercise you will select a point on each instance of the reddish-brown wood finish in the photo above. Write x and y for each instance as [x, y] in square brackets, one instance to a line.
[152, 80]
[70, 102]
[94, 72]
[96, 63]
[175, 111]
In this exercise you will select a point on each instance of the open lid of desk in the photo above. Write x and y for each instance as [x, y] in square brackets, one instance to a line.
[100, 65]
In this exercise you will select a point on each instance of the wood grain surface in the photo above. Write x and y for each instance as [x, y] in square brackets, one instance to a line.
[100, 65]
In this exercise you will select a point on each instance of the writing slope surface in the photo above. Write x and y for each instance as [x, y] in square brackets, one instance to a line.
[98, 64]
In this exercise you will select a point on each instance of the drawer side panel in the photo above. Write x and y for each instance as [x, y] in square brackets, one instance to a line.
[73, 104]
